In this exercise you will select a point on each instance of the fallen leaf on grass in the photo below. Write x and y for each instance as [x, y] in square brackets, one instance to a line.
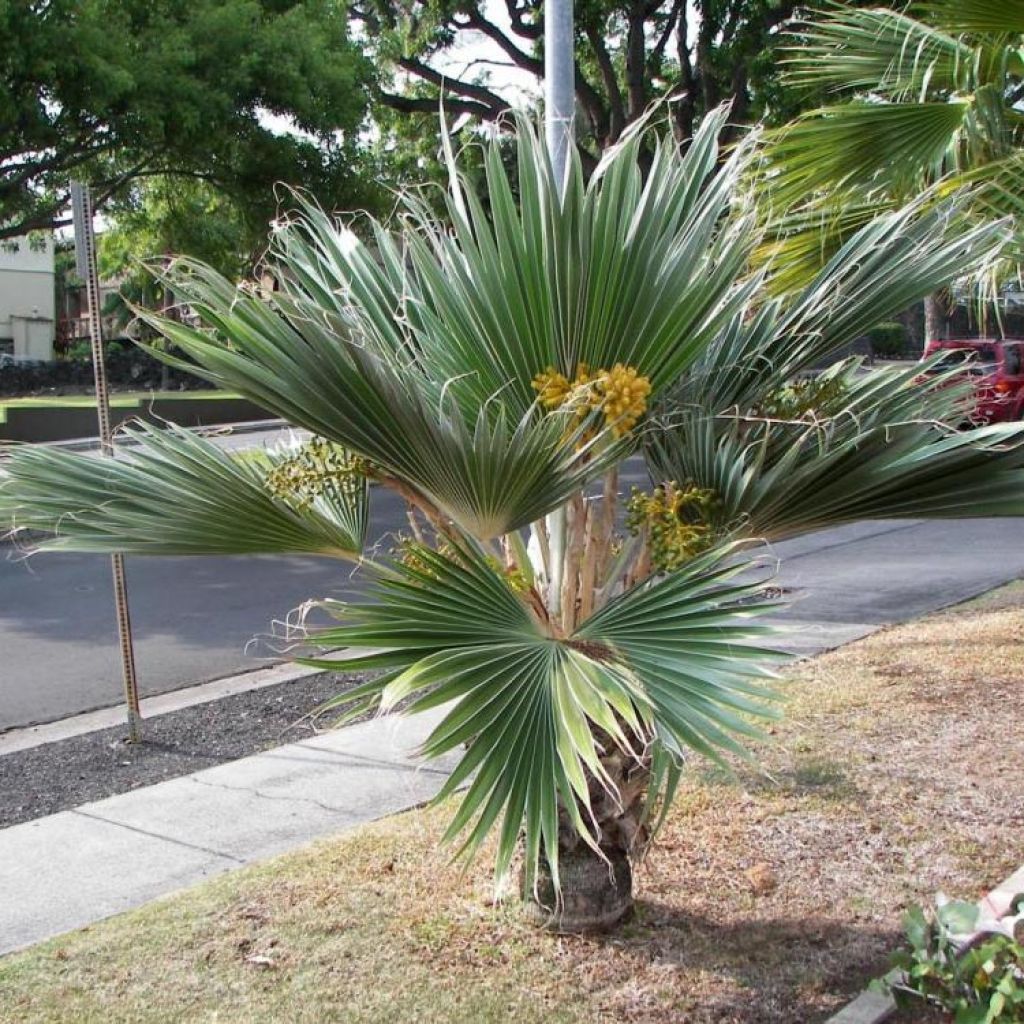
[261, 961]
[762, 879]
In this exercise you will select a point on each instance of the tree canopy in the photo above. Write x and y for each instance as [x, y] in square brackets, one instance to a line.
[628, 55]
[115, 90]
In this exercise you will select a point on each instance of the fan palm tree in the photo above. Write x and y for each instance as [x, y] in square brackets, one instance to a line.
[494, 373]
[926, 102]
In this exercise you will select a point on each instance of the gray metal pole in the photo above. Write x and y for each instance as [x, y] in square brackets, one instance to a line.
[85, 256]
[559, 84]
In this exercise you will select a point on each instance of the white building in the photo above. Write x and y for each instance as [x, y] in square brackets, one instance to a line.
[27, 302]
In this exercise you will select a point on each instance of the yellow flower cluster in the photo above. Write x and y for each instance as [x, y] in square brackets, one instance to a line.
[677, 521]
[625, 397]
[552, 387]
[619, 393]
[317, 465]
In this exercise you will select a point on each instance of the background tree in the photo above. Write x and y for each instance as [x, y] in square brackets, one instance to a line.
[112, 91]
[167, 216]
[628, 54]
[924, 103]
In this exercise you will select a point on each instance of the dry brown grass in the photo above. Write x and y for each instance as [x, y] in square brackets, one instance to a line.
[771, 898]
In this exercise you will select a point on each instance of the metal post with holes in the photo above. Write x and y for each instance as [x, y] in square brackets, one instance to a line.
[85, 258]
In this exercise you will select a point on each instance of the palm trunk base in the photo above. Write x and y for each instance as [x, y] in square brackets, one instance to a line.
[596, 894]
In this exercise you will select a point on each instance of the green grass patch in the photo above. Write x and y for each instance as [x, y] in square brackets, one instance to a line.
[118, 400]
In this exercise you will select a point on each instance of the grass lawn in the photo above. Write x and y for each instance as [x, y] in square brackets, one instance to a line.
[118, 400]
[769, 898]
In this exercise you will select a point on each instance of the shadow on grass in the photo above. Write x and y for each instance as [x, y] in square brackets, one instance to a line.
[783, 970]
[812, 776]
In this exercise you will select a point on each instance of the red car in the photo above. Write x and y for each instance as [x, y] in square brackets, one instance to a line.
[997, 368]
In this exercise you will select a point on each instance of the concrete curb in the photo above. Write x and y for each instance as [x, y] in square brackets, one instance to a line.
[104, 718]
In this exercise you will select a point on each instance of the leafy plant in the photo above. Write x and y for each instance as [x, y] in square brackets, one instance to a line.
[82, 350]
[495, 374]
[983, 984]
[888, 340]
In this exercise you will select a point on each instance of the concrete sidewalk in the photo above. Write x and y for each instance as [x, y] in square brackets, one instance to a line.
[69, 869]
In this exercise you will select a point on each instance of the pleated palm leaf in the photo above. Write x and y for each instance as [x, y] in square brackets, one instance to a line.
[924, 101]
[494, 372]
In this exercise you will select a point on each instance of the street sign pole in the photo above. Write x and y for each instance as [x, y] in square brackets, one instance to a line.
[85, 256]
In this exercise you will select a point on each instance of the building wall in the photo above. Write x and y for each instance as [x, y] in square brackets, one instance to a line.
[27, 302]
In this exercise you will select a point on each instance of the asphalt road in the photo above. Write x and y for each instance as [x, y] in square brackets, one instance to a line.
[194, 619]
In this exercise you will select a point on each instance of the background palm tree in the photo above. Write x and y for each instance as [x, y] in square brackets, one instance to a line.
[927, 102]
[495, 374]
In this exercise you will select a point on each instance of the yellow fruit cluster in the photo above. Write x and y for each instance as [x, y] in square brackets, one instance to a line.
[677, 521]
[625, 398]
[552, 388]
[620, 394]
[317, 465]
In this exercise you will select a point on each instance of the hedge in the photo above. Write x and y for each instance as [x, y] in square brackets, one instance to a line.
[131, 367]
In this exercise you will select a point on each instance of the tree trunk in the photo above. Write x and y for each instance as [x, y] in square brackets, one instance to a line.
[596, 894]
[597, 891]
[935, 317]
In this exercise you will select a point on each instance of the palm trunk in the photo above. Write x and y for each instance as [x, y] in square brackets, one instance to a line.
[935, 317]
[597, 889]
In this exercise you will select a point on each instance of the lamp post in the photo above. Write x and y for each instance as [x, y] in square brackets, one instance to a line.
[559, 85]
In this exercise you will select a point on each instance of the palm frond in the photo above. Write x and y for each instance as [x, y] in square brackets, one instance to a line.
[891, 451]
[929, 105]
[686, 638]
[487, 472]
[626, 268]
[799, 242]
[997, 188]
[882, 268]
[862, 143]
[171, 492]
[526, 707]
[875, 50]
[425, 350]
[994, 18]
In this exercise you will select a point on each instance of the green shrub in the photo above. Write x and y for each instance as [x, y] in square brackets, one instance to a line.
[889, 340]
[82, 349]
[983, 984]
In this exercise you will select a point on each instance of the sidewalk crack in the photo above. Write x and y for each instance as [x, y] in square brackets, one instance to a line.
[282, 798]
[157, 835]
[373, 762]
[789, 559]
